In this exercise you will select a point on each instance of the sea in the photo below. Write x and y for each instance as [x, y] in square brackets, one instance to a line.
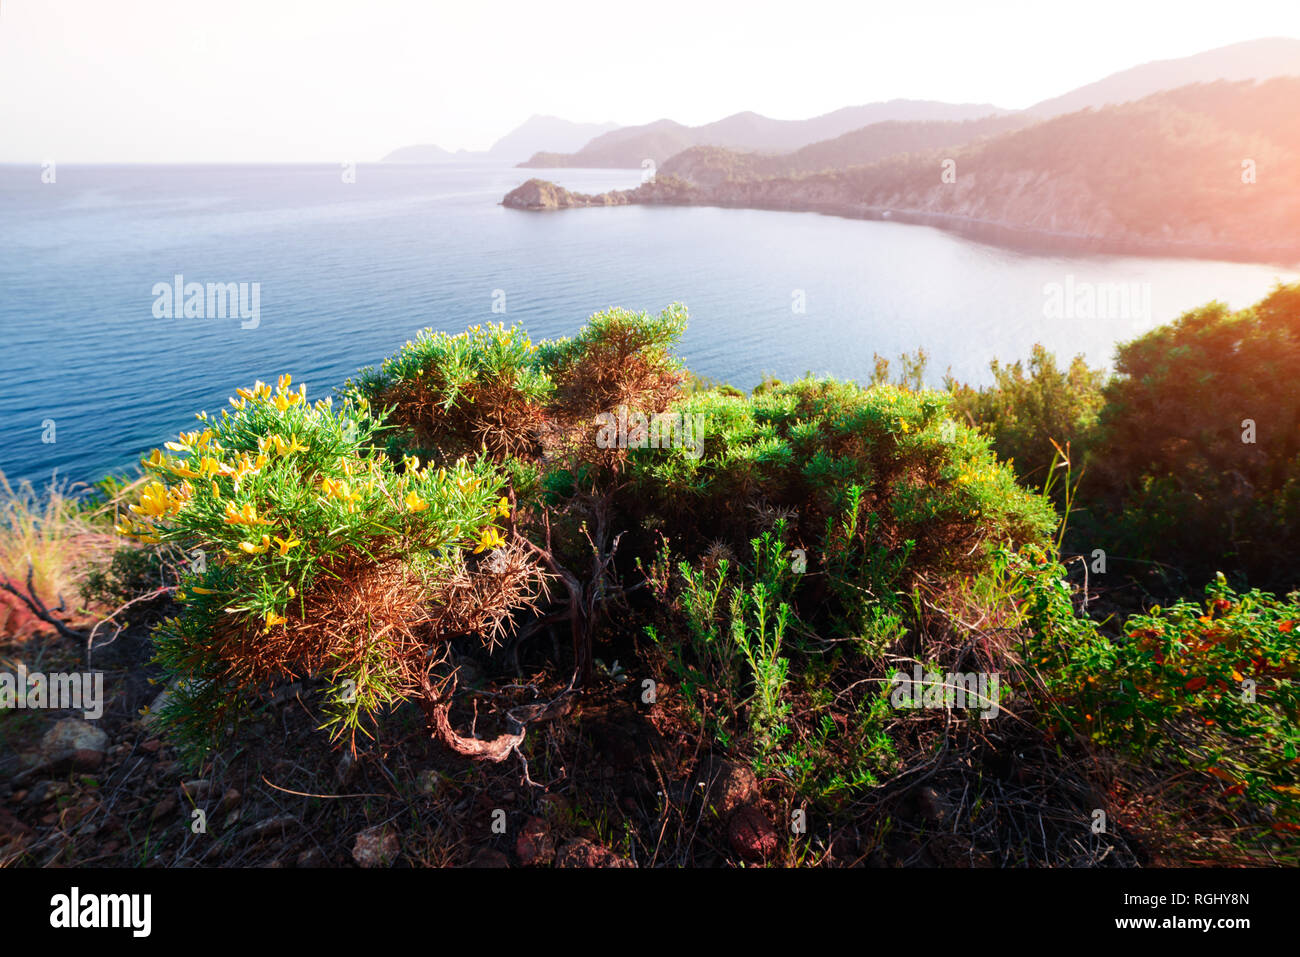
[339, 265]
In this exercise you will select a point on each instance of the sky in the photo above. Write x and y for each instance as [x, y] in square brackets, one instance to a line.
[334, 81]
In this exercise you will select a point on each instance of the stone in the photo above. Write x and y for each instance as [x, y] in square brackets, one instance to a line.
[534, 844]
[728, 786]
[752, 835]
[375, 847]
[73, 744]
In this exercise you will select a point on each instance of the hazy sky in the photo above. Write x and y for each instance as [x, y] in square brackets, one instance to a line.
[174, 80]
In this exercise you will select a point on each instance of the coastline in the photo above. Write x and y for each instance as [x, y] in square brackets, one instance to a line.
[538, 195]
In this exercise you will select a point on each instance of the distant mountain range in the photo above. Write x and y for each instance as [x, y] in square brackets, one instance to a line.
[1251, 60]
[535, 134]
[630, 146]
[862, 134]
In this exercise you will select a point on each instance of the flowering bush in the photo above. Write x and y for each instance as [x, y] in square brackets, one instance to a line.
[1212, 686]
[312, 558]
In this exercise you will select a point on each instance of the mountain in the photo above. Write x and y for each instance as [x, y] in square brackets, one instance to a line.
[628, 147]
[551, 133]
[709, 165]
[534, 134]
[1210, 169]
[427, 153]
[1250, 60]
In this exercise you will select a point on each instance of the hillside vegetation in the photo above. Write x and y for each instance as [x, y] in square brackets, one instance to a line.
[820, 624]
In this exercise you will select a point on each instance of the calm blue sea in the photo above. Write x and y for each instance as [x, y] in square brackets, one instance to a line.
[348, 271]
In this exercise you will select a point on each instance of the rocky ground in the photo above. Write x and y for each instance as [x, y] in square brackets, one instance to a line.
[613, 785]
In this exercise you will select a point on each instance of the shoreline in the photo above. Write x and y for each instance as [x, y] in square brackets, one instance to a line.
[543, 196]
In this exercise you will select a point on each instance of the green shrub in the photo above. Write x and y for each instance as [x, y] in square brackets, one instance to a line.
[1208, 686]
[1198, 460]
[1026, 412]
[449, 395]
[312, 558]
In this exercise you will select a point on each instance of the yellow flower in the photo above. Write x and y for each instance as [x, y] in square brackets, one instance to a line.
[210, 467]
[178, 496]
[272, 619]
[153, 501]
[283, 447]
[286, 545]
[216, 492]
[491, 538]
[411, 462]
[202, 591]
[247, 515]
[415, 503]
[186, 443]
[252, 549]
[292, 592]
[342, 492]
[503, 507]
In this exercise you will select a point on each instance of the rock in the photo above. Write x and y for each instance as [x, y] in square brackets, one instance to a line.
[586, 854]
[164, 808]
[73, 744]
[535, 845]
[375, 847]
[538, 194]
[751, 834]
[728, 785]
[488, 857]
